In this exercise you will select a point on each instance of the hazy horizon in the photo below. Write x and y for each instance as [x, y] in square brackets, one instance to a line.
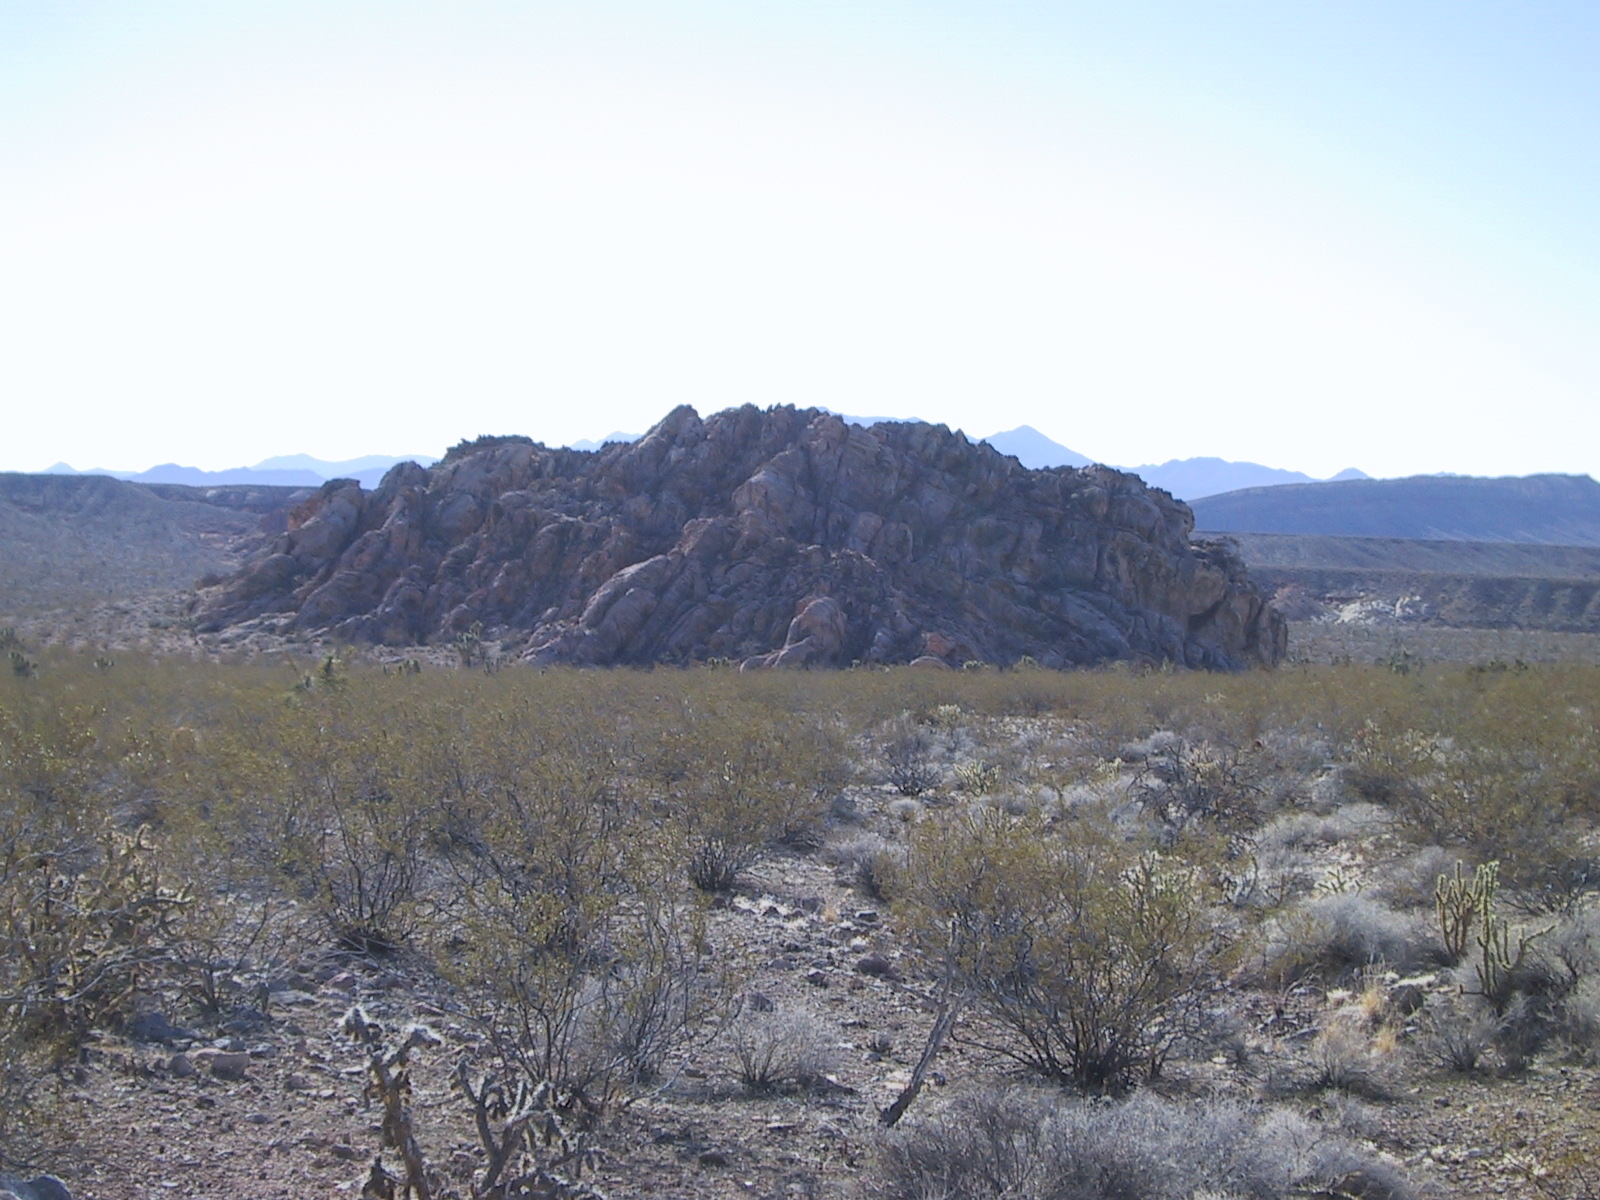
[1313, 239]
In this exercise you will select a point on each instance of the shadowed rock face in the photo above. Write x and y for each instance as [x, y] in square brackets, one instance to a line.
[779, 538]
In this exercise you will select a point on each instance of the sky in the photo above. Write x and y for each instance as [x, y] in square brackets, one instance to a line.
[1313, 235]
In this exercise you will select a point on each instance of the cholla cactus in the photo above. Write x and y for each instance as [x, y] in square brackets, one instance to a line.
[1459, 903]
[389, 1081]
[511, 1121]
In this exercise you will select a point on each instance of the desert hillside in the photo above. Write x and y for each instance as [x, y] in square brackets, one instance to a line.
[1415, 585]
[1551, 509]
[72, 539]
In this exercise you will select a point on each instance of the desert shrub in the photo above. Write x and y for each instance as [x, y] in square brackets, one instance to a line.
[778, 1048]
[87, 898]
[1010, 1145]
[321, 795]
[1573, 944]
[1455, 1035]
[1182, 781]
[591, 996]
[1501, 766]
[737, 778]
[566, 923]
[906, 809]
[1344, 1057]
[220, 941]
[1090, 950]
[1333, 936]
[360, 849]
[870, 862]
[1412, 880]
[908, 762]
[1580, 1018]
[82, 930]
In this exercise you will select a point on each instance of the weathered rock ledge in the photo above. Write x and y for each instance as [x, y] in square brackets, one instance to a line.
[779, 538]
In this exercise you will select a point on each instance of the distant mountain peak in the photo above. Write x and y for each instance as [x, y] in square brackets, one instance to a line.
[1194, 479]
[592, 444]
[1035, 450]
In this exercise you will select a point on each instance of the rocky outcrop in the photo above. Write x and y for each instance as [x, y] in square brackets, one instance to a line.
[778, 538]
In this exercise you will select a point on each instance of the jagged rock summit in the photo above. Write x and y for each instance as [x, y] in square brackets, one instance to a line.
[778, 538]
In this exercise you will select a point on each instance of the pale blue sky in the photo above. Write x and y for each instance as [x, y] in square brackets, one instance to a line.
[1310, 235]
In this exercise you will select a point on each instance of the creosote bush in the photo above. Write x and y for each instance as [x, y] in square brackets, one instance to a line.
[1090, 952]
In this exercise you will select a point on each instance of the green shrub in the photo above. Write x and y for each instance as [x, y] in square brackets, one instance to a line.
[1092, 951]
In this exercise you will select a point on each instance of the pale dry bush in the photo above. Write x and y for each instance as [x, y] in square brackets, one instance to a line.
[1019, 1146]
[1346, 1056]
[1410, 881]
[905, 809]
[1457, 1033]
[869, 861]
[1580, 1027]
[1300, 830]
[1336, 935]
[779, 1048]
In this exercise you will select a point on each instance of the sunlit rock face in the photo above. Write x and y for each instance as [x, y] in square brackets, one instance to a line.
[779, 538]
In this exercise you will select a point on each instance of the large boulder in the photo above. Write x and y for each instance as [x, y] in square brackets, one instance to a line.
[40, 1187]
[777, 538]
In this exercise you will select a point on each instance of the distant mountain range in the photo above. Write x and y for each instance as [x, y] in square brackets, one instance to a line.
[1187, 479]
[1262, 499]
[286, 470]
[1558, 510]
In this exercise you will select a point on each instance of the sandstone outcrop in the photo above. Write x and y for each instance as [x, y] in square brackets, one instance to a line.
[775, 538]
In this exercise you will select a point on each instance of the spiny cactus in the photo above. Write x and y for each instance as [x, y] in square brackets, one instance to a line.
[1459, 902]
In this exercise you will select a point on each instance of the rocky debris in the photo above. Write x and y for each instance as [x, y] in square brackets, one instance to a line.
[774, 539]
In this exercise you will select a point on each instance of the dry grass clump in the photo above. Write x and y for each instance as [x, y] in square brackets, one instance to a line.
[1350, 1055]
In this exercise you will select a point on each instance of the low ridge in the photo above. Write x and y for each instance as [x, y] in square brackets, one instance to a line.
[781, 538]
[1548, 509]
